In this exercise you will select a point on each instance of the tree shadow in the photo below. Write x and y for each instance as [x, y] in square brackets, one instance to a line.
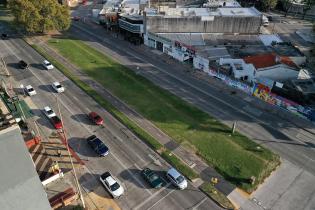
[264, 142]
[275, 133]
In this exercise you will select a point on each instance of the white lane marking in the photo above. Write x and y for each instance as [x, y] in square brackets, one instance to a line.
[130, 173]
[199, 204]
[115, 157]
[181, 80]
[161, 199]
[138, 167]
[153, 196]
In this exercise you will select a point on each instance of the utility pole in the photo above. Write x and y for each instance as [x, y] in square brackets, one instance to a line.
[70, 157]
[234, 127]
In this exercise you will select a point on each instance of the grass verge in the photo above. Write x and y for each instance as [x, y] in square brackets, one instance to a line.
[152, 142]
[236, 157]
[216, 195]
[177, 163]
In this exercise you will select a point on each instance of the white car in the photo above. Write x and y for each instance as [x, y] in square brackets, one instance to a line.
[58, 87]
[49, 112]
[176, 178]
[30, 90]
[112, 185]
[47, 65]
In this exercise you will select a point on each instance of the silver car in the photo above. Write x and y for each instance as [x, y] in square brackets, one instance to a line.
[177, 179]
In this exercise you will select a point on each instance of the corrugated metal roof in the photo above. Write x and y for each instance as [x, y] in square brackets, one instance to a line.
[20, 187]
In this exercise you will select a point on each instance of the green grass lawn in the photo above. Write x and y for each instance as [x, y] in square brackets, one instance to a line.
[235, 157]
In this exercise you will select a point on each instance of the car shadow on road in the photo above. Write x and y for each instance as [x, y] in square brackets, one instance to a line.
[82, 118]
[80, 146]
[37, 66]
[13, 65]
[91, 183]
[135, 177]
[42, 120]
[46, 88]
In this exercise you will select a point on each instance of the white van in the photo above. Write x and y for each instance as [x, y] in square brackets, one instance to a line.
[176, 178]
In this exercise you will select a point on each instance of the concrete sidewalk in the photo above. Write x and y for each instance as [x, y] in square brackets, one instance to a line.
[188, 157]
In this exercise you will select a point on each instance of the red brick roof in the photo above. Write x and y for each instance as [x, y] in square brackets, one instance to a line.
[267, 60]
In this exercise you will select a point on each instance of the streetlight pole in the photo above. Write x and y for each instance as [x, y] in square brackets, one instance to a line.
[71, 161]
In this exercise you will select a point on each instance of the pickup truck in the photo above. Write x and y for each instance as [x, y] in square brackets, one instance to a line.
[23, 64]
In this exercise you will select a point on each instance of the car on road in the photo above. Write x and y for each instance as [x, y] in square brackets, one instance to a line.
[58, 87]
[98, 145]
[4, 36]
[96, 118]
[23, 64]
[49, 112]
[111, 185]
[76, 18]
[177, 179]
[30, 90]
[56, 122]
[47, 65]
[152, 178]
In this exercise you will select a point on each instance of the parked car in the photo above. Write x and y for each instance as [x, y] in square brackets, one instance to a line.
[76, 18]
[49, 112]
[30, 90]
[58, 87]
[98, 145]
[153, 178]
[47, 65]
[98, 120]
[56, 122]
[23, 64]
[176, 178]
[4, 36]
[111, 185]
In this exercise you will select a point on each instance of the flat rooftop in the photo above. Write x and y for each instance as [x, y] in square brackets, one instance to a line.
[307, 86]
[206, 12]
[220, 3]
[132, 17]
[205, 39]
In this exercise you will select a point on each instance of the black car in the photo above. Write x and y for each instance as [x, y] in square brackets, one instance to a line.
[153, 178]
[97, 145]
[23, 64]
[4, 36]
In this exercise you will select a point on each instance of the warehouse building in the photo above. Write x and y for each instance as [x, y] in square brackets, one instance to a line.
[205, 20]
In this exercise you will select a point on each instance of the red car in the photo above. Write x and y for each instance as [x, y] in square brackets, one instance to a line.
[56, 122]
[98, 120]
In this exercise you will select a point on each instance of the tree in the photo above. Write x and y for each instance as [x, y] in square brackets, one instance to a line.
[40, 16]
[269, 4]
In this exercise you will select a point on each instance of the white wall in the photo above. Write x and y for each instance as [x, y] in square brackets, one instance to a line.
[247, 69]
[201, 63]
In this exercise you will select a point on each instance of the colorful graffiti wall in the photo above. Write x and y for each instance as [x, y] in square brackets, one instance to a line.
[263, 92]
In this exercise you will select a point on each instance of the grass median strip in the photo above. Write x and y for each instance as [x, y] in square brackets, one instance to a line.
[236, 157]
[152, 142]
[216, 195]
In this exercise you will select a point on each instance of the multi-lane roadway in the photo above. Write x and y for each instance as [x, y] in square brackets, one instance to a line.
[283, 136]
[128, 155]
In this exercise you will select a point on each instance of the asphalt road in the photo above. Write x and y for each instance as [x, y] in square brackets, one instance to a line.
[283, 137]
[295, 145]
[128, 155]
